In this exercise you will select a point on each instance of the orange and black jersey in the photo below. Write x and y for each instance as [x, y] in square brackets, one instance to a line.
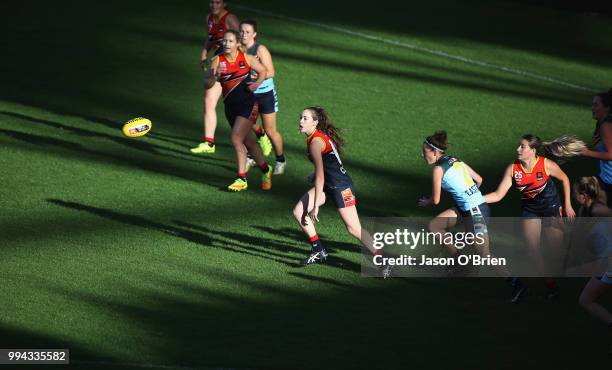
[334, 173]
[216, 31]
[537, 189]
[235, 73]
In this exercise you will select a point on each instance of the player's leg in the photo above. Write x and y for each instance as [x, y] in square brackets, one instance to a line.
[594, 289]
[532, 234]
[211, 97]
[268, 106]
[243, 140]
[350, 217]
[240, 130]
[301, 214]
[254, 149]
[269, 122]
[441, 223]
[553, 239]
[262, 138]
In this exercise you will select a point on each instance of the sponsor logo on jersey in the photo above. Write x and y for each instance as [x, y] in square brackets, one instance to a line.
[348, 198]
[242, 65]
[539, 176]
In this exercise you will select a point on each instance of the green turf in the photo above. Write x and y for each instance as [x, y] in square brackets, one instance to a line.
[130, 251]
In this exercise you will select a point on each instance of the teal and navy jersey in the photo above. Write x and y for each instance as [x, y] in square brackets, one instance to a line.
[457, 181]
[605, 167]
[268, 83]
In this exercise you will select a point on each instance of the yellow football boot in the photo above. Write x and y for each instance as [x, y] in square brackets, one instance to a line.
[265, 145]
[238, 185]
[203, 148]
[266, 179]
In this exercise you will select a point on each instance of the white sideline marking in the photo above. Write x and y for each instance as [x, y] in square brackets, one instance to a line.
[419, 48]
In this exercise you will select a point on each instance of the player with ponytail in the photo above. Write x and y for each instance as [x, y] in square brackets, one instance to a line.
[602, 140]
[455, 176]
[219, 21]
[586, 192]
[532, 175]
[325, 144]
[232, 69]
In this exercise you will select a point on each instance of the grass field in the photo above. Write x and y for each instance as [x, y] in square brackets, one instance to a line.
[131, 253]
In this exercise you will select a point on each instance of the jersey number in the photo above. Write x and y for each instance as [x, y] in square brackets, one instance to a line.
[468, 179]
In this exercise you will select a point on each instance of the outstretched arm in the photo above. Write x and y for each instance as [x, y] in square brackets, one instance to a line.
[502, 188]
[606, 138]
[555, 171]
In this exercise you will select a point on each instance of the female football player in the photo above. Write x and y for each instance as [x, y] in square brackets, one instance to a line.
[232, 69]
[542, 210]
[459, 179]
[331, 182]
[586, 192]
[219, 21]
[602, 139]
[463, 183]
[266, 92]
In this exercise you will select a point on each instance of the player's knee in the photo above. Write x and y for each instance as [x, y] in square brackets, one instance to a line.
[298, 212]
[237, 139]
[271, 131]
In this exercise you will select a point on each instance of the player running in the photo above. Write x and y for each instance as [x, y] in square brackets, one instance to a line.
[220, 20]
[586, 192]
[265, 93]
[331, 181]
[233, 69]
[532, 175]
[463, 183]
[602, 138]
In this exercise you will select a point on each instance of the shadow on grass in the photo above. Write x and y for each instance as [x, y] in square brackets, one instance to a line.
[260, 324]
[269, 249]
[140, 145]
[139, 163]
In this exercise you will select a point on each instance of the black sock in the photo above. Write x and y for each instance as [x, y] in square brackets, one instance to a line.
[316, 244]
[264, 168]
[280, 158]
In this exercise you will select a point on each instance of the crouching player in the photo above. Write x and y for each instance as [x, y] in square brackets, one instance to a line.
[463, 183]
